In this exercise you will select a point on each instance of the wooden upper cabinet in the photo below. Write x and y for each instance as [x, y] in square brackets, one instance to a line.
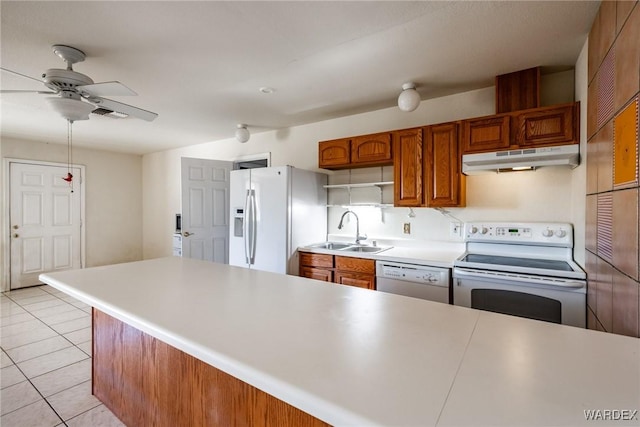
[518, 91]
[356, 152]
[334, 154]
[445, 185]
[536, 127]
[407, 168]
[486, 134]
[371, 149]
[548, 126]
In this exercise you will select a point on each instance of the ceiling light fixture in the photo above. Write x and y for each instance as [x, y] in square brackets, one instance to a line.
[242, 133]
[267, 89]
[70, 108]
[409, 98]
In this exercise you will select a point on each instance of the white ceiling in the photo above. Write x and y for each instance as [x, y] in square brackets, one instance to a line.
[200, 65]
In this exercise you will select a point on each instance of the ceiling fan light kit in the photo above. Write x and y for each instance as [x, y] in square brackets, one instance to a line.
[409, 98]
[69, 108]
[78, 95]
[242, 133]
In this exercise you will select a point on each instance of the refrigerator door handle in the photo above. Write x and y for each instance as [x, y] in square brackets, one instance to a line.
[245, 232]
[254, 226]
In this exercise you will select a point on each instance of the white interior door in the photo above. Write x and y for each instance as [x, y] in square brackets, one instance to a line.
[205, 209]
[45, 221]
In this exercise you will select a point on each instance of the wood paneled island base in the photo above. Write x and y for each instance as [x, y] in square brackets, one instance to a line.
[146, 382]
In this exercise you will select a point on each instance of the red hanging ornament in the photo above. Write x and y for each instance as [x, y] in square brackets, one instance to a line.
[69, 177]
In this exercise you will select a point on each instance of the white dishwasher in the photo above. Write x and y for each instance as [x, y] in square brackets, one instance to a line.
[418, 281]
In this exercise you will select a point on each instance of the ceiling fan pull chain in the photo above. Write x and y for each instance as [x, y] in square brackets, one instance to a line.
[69, 177]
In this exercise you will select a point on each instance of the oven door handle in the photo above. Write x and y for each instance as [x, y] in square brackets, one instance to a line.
[460, 273]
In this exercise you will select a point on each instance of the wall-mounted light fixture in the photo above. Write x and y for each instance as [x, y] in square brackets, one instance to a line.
[242, 133]
[409, 98]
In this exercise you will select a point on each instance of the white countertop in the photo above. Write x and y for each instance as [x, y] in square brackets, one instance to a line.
[434, 254]
[351, 356]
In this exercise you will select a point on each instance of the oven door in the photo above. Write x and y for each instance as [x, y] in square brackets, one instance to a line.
[550, 299]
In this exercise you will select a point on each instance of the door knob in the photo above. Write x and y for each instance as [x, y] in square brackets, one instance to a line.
[187, 234]
[16, 235]
[15, 227]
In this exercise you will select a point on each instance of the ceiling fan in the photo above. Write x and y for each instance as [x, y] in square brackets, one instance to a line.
[78, 95]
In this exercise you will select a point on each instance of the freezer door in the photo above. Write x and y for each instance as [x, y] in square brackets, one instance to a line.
[272, 212]
[240, 186]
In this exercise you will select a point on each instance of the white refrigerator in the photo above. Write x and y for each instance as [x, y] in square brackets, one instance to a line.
[274, 211]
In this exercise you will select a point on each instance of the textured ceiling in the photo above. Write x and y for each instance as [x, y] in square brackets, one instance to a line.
[200, 65]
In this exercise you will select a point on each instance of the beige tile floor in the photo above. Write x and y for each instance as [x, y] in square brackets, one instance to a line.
[45, 341]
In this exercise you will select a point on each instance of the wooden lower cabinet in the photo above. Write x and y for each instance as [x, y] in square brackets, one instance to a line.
[358, 280]
[147, 382]
[343, 270]
[358, 272]
[316, 273]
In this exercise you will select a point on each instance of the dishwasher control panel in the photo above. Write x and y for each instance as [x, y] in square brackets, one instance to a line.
[413, 273]
[412, 280]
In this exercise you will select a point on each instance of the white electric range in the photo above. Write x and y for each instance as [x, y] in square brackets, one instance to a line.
[521, 269]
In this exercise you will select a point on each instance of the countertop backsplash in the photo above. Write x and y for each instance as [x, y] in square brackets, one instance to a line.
[541, 195]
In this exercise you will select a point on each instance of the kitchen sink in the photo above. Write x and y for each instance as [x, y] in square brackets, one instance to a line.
[331, 245]
[366, 249]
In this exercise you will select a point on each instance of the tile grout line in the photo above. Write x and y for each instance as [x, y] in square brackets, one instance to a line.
[29, 379]
[37, 391]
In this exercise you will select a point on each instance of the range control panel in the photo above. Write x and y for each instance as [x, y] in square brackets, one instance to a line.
[545, 233]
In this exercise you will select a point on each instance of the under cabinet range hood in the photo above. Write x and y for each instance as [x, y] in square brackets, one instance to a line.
[521, 159]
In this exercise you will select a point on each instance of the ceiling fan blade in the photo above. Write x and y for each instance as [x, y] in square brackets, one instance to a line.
[44, 92]
[20, 74]
[105, 89]
[119, 107]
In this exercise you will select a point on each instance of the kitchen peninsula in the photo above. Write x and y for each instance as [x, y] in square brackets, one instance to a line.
[339, 354]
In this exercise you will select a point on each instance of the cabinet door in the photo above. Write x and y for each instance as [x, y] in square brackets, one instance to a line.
[367, 281]
[316, 273]
[407, 168]
[486, 134]
[547, 126]
[310, 259]
[442, 167]
[334, 154]
[371, 149]
[355, 265]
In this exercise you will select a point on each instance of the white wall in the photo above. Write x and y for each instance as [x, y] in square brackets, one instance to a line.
[113, 197]
[548, 194]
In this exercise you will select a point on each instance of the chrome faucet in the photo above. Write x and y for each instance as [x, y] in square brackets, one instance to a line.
[358, 236]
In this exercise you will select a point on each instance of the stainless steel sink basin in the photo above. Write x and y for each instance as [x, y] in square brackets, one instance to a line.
[331, 245]
[366, 249]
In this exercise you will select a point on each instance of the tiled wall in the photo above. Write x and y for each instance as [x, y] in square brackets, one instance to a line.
[612, 229]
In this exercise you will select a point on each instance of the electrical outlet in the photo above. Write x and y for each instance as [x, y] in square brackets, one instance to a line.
[455, 229]
[407, 228]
